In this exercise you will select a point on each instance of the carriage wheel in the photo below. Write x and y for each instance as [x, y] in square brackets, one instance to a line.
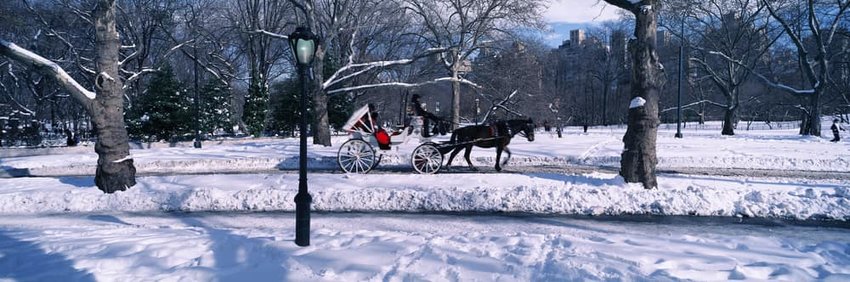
[356, 156]
[427, 159]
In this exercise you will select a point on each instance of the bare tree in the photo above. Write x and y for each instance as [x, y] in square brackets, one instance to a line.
[605, 65]
[639, 155]
[264, 54]
[465, 26]
[115, 170]
[739, 29]
[822, 20]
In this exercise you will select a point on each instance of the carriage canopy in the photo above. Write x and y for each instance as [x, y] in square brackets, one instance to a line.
[361, 121]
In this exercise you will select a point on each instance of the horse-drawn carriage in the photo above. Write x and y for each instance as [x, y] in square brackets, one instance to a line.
[358, 154]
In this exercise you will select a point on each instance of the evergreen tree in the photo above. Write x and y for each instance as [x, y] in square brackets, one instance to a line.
[256, 107]
[339, 109]
[340, 105]
[164, 112]
[285, 107]
[215, 108]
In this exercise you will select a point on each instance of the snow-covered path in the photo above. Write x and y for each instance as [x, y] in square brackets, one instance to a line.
[763, 149]
[382, 247]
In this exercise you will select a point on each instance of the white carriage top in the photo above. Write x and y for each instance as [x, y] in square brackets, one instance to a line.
[361, 121]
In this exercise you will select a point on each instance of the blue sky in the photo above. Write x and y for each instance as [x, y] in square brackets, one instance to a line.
[565, 15]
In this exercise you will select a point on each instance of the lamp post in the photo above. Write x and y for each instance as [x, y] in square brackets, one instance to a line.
[197, 126]
[679, 94]
[304, 45]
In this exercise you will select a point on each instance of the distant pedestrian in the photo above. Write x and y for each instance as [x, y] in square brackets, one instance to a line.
[835, 128]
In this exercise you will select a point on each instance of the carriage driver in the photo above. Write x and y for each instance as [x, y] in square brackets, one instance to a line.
[426, 116]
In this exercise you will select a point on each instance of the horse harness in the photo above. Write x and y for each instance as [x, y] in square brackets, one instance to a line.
[496, 133]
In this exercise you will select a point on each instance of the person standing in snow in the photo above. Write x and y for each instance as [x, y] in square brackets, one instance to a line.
[835, 127]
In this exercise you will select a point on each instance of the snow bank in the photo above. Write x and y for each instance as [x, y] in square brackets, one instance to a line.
[588, 194]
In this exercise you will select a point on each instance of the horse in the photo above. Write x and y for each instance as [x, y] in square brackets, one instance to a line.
[498, 134]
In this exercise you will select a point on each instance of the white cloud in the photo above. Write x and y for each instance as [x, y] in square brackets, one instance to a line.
[580, 11]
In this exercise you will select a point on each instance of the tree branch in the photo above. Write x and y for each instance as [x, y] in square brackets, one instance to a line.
[47, 67]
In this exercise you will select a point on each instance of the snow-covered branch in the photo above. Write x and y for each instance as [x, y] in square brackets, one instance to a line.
[47, 67]
[177, 47]
[694, 104]
[338, 76]
[400, 84]
[137, 75]
[335, 79]
[271, 34]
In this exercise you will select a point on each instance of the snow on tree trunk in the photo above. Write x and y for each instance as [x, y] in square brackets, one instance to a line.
[115, 170]
[639, 155]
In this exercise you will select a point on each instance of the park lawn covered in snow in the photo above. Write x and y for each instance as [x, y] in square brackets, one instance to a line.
[542, 193]
[63, 228]
[702, 147]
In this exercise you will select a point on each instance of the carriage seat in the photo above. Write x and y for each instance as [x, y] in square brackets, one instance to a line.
[383, 138]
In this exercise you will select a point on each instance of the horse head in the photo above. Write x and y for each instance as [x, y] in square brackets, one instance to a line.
[524, 127]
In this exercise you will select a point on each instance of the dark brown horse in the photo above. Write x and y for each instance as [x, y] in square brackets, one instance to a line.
[497, 134]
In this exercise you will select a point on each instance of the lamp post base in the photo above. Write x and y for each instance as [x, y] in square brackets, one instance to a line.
[197, 144]
[678, 135]
[302, 219]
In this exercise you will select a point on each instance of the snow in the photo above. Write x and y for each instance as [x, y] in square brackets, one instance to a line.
[383, 247]
[123, 159]
[637, 102]
[456, 225]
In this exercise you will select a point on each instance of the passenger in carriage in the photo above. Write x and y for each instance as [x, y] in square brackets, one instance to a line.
[381, 135]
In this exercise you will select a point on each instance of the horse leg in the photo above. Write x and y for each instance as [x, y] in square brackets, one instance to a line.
[508, 158]
[455, 151]
[498, 157]
[466, 156]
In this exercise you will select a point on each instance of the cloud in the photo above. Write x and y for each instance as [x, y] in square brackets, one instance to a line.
[579, 11]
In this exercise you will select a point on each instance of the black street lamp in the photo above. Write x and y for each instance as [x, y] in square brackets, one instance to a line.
[304, 45]
[681, 67]
[196, 102]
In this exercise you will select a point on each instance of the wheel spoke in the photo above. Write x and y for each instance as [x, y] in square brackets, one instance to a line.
[356, 156]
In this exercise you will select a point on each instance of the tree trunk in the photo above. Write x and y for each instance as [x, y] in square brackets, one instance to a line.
[321, 125]
[115, 170]
[729, 122]
[455, 89]
[605, 105]
[455, 100]
[639, 155]
[804, 123]
[813, 127]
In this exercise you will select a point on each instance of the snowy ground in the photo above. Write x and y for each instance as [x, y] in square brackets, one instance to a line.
[780, 149]
[63, 228]
[383, 247]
